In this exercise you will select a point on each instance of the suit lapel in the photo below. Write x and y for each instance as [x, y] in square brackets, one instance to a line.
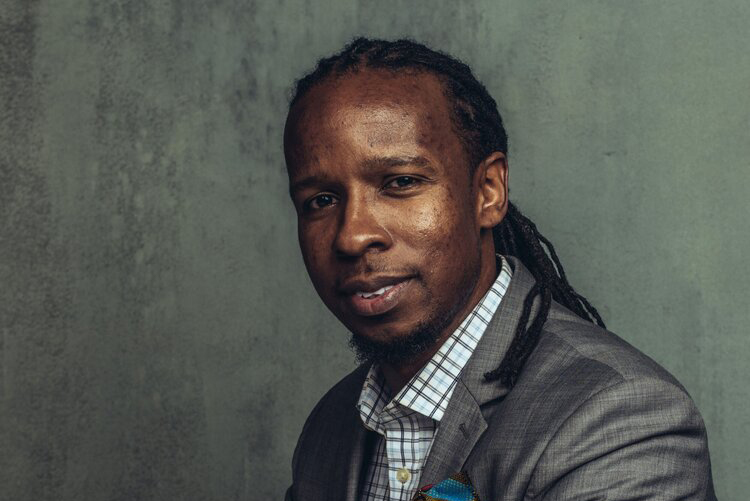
[459, 430]
[333, 470]
[497, 338]
[355, 460]
[463, 423]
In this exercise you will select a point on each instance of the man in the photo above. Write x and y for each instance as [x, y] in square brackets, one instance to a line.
[480, 361]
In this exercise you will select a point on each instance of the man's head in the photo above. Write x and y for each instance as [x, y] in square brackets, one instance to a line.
[391, 193]
[396, 157]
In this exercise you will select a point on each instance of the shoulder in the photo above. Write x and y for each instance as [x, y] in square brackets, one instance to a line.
[336, 409]
[570, 344]
[343, 394]
[609, 407]
[576, 362]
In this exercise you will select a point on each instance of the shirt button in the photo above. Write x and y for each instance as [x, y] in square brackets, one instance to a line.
[403, 475]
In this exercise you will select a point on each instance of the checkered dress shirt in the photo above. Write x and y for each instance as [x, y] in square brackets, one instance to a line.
[407, 424]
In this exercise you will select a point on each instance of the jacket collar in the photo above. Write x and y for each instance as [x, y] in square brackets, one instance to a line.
[463, 423]
[498, 336]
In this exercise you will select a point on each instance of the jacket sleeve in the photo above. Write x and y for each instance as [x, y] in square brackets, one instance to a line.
[640, 439]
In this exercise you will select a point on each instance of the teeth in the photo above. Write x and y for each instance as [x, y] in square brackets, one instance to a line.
[368, 295]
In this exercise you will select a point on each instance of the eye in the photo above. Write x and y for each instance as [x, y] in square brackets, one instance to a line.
[320, 201]
[402, 182]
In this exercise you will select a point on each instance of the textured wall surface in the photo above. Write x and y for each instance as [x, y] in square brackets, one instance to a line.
[159, 337]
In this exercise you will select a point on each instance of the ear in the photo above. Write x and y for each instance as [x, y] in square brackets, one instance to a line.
[491, 184]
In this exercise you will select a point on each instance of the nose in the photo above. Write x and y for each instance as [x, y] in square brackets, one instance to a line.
[361, 229]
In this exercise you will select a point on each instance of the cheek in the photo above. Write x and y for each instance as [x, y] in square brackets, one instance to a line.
[423, 223]
[312, 251]
[441, 228]
[448, 242]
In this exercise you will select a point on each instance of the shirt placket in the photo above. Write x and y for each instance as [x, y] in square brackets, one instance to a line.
[401, 437]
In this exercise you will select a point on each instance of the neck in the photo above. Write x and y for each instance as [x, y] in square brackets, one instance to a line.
[398, 375]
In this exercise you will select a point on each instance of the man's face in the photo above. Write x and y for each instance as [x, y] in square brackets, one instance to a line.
[387, 213]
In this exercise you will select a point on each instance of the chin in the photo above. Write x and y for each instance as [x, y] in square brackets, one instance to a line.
[393, 347]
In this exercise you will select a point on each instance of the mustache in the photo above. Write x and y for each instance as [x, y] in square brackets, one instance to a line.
[378, 269]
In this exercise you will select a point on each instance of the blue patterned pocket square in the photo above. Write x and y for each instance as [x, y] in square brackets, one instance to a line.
[457, 487]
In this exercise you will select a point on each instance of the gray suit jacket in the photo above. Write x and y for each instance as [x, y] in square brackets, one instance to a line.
[590, 418]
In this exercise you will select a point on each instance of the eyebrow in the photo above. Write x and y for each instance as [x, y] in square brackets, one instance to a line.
[397, 161]
[306, 182]
[377, 163]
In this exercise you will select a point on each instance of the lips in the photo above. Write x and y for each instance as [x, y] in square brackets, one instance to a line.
[376, 297]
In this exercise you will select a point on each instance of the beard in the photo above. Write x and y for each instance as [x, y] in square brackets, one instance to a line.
[400, 349]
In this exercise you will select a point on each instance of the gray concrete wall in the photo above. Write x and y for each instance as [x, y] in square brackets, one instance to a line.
[160, 339]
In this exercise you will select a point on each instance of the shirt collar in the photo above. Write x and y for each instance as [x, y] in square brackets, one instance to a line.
[429, 391]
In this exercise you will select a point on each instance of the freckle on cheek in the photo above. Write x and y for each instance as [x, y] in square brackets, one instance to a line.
[425, 220]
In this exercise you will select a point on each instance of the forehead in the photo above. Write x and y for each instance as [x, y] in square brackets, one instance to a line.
[380, 108]
[407, 89]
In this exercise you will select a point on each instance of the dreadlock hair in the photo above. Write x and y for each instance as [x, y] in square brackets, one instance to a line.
[480, 128]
